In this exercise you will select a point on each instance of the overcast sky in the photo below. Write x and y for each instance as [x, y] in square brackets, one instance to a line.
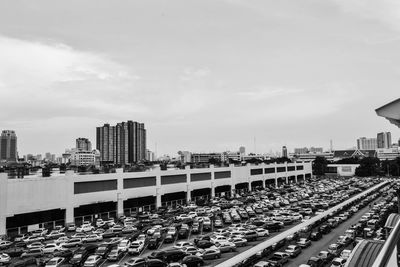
[205, 75]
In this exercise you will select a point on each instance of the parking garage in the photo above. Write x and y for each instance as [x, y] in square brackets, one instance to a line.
[139, 204]
[91, 212]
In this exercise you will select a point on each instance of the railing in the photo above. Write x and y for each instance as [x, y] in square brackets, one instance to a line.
[388, 256]
[236, 260]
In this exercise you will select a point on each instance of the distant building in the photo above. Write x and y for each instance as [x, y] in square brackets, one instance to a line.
[284, 152]
[228, 155]
[346, 170]
[8, 146]
[387, 153]
[384, 140]
[364, 143]
[124, 143]
[204, 157]
[302, 150]
[84, 158]
[316, 149]
[242, 150]
[185, 156]
[83, 144]
[312, 156]
[150, 156]
[353, 153]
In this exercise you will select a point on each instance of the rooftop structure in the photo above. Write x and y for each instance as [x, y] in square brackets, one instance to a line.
[391, 112]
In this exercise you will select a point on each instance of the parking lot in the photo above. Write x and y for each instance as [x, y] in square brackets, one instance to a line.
[203, 235]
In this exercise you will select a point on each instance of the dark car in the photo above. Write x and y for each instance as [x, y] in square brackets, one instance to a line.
[183, 233]
[325, 229]
[155, 263]
[171, 255]
[35, 252]
[81, 254]
[103, 250]
[204, 244]
[66, 254]
[273, 226]
[193, 261]
[14, 252]
[23, 262]
[315, 262]
[109, 233]
[154, 243]
[202, 237]
[314, 236]
[169, 239]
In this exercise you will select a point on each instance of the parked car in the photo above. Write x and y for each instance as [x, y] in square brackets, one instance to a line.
[115, 255]
[209, 254]
[103, 250]
[93, 261]
[136, 262]
[193, 261]
[293, 250]
[279, 258]
[55, 262]
[315, 262]
[304, 242]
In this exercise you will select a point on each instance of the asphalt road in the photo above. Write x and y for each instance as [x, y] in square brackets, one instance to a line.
[326, 240]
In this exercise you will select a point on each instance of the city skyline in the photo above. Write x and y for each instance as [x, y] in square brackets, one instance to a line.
[301, 73]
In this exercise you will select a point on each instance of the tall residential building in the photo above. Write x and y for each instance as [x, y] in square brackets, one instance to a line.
[242, 150]
[384, 140]
[284, 152]
[364, 143]
[121, 144]
[8, 146]
[83, 144]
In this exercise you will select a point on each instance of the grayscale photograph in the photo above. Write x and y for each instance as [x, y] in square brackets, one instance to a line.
[188, 133]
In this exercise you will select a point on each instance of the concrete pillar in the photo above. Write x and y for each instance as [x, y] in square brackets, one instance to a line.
[212, 170]
[158, 187]
[295, 178]
[249, 185]
[276, 182]
[3, 202]
[188, 187]
[69, 185]
[120, 194]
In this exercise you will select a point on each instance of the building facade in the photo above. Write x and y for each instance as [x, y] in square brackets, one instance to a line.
[384, 140]
[122, 144]
[364, 143]
[284, 152]
[8, 146]
[83, 144]
[70, 197]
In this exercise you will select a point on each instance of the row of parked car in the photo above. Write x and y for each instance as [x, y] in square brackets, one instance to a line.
[259, 212]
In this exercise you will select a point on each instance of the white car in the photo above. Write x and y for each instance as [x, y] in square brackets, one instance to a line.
[35, 245]
[345, 254]
[31, 239]
[182, 244]
[219, 238]
[261, 232]
[55, 262]
[84, 228]
[92, 261]
[51, 248]
[100, 223]
[61, 240]
[124, 245]
[171, 231]
[5, 258]
[92, 238]
[136, 247]
[71, 227]
[338, 262]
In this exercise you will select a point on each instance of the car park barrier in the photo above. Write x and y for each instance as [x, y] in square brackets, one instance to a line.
[238, 259]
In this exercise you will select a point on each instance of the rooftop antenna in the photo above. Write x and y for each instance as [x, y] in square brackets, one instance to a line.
[255, 150]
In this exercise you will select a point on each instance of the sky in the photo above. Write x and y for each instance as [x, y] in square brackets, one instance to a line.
[204, 76]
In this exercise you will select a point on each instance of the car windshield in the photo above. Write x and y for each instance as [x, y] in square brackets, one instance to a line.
[135, 245]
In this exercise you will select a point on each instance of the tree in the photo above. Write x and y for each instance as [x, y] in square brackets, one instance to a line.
[369, 167]
[214, 161]
[319, 166]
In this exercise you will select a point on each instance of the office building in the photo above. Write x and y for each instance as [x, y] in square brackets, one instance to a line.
[284, 152]
[185, 156]
[83, 158]
[316, 149]
[123, 144]
[384, 140]
[302, 150]
[8, 146]
[364, 143]
[83, 144]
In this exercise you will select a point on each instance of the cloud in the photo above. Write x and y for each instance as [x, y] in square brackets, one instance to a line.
[384, 11]
[54, 80]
